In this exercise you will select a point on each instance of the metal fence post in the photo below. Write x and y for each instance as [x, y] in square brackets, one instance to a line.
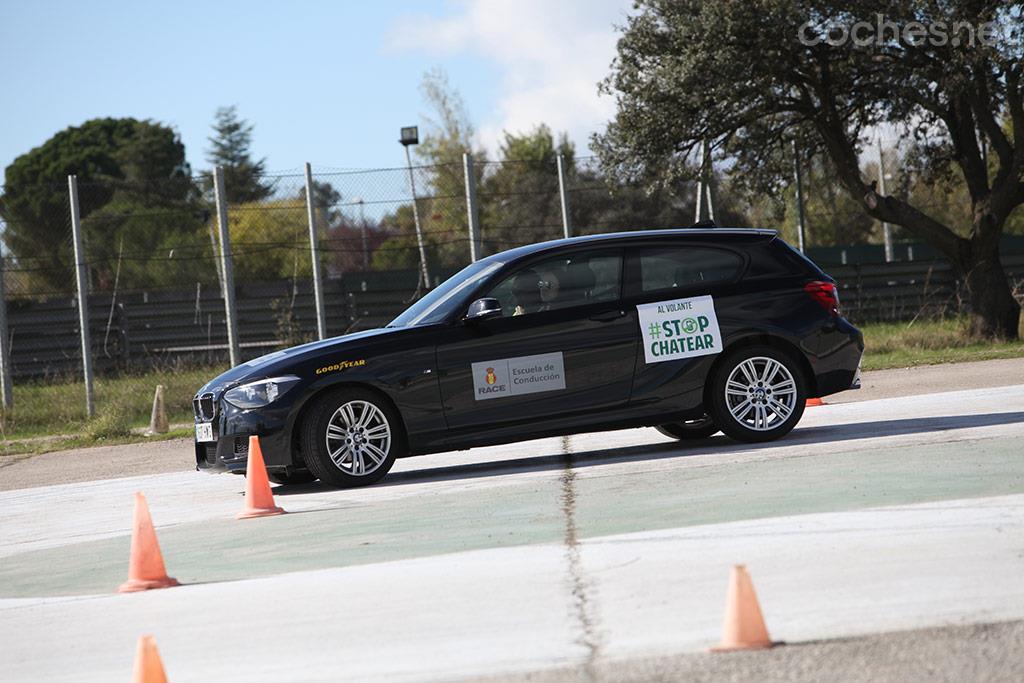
[472, 210]
[227, 273]
[801, 228]
[705, 205]
[6, 389]
[886, 228]
[318, 287]
[83, 295]
[566, 225]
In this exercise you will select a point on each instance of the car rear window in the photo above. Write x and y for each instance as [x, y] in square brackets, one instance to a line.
[799, 263]
[768, 261]
[686, 266]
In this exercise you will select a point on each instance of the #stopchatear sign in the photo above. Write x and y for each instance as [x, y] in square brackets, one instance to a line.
[679, 328]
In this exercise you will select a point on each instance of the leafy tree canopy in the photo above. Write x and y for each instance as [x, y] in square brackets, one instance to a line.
[448, 132]
[753, 76]
[270, 240]
[141, 163]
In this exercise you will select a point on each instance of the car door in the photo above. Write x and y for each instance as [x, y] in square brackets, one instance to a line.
[564, 345]
[679, 292]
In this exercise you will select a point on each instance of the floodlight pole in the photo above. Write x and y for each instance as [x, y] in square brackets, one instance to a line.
[416, 219]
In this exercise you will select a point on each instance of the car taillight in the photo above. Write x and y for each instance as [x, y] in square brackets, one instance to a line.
[825, 294]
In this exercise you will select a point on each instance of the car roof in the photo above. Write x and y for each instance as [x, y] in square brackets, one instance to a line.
[731, 234]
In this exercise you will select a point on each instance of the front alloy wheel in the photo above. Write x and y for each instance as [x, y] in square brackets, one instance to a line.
[757, 394]
[351, 438]
[358, 438]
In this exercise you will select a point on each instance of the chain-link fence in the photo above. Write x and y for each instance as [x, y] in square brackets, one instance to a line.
[155, 274]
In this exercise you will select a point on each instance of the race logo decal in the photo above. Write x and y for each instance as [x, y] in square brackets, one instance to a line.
[679, 328]
[517, 376]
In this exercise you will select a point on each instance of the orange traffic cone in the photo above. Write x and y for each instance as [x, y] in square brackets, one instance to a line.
[148, 668]
[744, 627]
[259, 501]
[145, 563]
[811, 402]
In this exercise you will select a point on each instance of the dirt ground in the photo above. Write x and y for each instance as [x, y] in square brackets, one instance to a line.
[107, 462]
[933, 379]
[976, 652]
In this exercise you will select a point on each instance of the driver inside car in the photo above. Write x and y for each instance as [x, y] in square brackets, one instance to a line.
[534, 292]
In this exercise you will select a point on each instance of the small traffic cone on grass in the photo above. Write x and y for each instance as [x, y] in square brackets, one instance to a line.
[259, 501]
[148, 668]
[158, 418]
[744, 627]
[145, 563]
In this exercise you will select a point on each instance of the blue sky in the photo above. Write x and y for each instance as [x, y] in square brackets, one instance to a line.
[324, 82]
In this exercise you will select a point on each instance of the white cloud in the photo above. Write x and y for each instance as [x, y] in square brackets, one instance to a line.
[551, 53]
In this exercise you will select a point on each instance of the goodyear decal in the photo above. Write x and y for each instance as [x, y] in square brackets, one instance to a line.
[679, 328]
[340, 365]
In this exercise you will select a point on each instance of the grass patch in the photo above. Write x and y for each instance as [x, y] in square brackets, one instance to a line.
[39, 445]
[902, 345]
[58, 407]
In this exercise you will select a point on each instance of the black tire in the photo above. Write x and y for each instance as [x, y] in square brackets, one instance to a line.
[752, 428]
[688, 430]
[315, 440]
[293, 477]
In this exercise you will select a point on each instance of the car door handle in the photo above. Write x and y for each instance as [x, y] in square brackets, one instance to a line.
[608, 316]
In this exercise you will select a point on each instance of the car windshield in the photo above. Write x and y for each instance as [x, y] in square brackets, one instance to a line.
[439, 303]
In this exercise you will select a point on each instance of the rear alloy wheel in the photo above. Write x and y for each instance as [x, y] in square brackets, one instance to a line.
[350, 438]
[688, 430]
[757, 394]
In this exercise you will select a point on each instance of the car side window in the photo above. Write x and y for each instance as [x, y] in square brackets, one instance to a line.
[560, 282]
[681, 267]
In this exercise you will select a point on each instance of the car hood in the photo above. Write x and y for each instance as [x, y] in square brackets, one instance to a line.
[280, 362]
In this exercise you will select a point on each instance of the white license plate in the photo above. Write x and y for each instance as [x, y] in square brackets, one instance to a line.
[204, 431]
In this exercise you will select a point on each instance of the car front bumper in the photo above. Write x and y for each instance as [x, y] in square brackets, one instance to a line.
[232, 427]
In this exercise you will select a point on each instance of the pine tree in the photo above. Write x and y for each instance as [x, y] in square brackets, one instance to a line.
[243, 177]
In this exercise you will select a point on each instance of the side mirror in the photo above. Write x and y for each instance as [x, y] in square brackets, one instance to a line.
[482, 309]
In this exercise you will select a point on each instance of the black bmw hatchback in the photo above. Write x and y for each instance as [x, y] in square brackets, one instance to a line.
[691, 331]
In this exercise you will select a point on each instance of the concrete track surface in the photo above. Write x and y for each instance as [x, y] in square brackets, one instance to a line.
[600, 556]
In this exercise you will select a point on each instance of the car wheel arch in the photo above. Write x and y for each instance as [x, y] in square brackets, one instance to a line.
[295, 429]
[774, 341]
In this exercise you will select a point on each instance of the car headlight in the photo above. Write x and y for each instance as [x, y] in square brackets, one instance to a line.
[259, 393]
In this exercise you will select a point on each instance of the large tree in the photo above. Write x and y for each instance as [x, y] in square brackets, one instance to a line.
[230, 147]
[519, 201]
[447, 134]
[124, 167]
[752, 76]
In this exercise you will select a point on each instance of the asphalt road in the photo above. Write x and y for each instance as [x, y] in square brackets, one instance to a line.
[600, 556]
